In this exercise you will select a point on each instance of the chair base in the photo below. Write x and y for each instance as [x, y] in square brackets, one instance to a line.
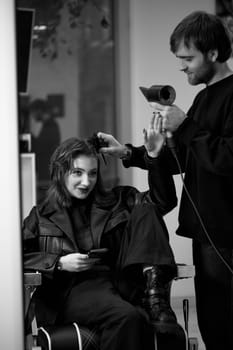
[172, 337]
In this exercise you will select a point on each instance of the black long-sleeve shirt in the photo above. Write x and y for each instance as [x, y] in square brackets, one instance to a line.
[205, 150]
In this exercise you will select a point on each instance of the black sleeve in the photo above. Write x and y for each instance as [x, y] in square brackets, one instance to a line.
[212, 150]
[137, 157]
[34, 258]
[161, 185]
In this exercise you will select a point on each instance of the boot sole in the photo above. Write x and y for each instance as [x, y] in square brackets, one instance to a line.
[167, 327]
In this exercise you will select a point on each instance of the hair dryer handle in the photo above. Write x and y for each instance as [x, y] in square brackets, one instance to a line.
[169, 139]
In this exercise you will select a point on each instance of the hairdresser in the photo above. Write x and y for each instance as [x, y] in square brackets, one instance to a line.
[204, 145]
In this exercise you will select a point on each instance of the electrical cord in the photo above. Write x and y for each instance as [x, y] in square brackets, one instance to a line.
[172, 149]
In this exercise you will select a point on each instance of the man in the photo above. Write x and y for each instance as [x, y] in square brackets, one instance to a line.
[204, 143]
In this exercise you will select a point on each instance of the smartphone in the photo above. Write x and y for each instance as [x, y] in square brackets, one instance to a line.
[97, 253]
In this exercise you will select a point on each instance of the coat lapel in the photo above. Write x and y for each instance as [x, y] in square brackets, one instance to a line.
[99, 217]
[62, 220]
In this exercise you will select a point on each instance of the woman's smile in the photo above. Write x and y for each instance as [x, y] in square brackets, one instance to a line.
[81, 180]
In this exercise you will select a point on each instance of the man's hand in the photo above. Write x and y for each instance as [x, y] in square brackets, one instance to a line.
[153, 136]
[76, 262]
[172, 116]
[115, 148]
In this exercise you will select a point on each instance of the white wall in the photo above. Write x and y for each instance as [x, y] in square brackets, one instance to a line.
[151, 62]
[11, 296]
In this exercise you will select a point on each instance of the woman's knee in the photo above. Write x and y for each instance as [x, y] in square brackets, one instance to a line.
[145, 216]
[129, 314]
[143, 209]
[143, 212]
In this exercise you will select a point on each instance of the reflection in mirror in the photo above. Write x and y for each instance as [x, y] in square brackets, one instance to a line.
[70, 85]
[66, 88]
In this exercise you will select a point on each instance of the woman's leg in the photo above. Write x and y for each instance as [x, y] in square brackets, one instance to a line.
[145, 240]
[122, 325]
[145, 243]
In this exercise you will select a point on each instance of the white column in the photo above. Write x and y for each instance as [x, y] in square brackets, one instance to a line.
[11, 291]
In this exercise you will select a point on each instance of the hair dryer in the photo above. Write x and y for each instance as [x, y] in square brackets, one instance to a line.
[165, 95]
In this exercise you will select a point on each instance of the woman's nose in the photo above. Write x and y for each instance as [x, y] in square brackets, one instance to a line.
[85, 180]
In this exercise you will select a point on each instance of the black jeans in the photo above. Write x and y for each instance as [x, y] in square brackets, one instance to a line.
[122, 326]
[214, 296]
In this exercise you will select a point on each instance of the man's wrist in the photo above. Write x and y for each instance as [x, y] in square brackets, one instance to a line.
[151, 161]
[153, 154]
[126, 153]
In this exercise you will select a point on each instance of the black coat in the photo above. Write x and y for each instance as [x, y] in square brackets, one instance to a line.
[48, 234]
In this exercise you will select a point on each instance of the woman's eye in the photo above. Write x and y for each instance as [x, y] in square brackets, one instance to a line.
[94, 174]
[76, 173]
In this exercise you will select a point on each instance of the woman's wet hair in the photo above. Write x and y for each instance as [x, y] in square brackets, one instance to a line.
[206, 32]
[61, 163]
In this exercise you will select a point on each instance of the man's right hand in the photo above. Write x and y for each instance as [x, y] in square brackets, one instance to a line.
[172, 116]
[115, 148]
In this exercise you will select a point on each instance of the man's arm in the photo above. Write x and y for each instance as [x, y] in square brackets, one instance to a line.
[161, 184]
[134, 156]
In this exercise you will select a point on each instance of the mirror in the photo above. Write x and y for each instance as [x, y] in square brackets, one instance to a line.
[68, 86]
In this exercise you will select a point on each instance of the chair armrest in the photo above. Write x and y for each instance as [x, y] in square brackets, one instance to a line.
[185, 271]
[32, 279]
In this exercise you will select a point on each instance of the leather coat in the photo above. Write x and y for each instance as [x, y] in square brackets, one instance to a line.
[48, 234]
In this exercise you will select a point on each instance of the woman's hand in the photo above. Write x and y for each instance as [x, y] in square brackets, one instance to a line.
[77, 262]
[114, 148]
[153, 136]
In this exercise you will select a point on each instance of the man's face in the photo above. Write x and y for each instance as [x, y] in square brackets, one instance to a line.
[200, 68]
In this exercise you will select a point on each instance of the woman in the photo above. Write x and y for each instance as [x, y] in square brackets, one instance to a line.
[77, 216]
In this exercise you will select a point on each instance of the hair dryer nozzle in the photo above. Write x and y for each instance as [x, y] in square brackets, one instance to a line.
[164, 94]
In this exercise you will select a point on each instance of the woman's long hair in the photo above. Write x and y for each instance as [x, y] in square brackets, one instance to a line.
[61, 163]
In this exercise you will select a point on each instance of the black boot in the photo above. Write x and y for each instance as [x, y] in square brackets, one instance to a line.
[157, 302]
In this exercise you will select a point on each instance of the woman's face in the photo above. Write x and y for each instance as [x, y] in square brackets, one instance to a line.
[81, 180]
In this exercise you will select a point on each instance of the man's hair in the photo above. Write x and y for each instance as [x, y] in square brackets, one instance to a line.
[61, 163]
[205, 31]
[38, 105]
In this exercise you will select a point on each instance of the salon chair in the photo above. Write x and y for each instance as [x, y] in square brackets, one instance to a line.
[62, 337]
